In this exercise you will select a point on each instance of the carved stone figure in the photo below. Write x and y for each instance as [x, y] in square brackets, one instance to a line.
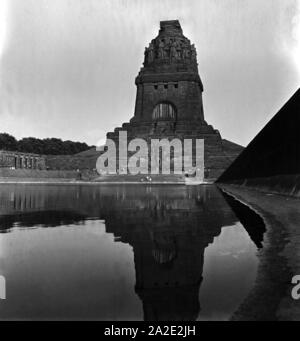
[150, 53]
[161, 50]
[173, 50]
[185, 53]
[179, 49]
[153, 128]
[146, 56]
[193, 53]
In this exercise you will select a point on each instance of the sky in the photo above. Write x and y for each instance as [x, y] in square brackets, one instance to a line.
[67, 67]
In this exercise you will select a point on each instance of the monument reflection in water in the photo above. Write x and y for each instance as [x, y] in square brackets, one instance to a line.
[168, 228]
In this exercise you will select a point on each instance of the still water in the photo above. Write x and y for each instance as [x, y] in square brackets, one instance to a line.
[126, 252]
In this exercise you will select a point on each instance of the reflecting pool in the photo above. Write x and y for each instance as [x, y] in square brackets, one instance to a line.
[125, 252]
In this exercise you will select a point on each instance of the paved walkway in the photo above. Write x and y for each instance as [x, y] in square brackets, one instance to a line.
[279, 259]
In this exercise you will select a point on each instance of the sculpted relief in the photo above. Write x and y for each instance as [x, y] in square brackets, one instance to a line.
[171, 49]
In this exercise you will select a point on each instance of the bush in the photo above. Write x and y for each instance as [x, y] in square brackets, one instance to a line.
[49, 146]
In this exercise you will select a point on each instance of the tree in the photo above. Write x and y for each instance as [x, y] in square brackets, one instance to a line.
[49, 146]
[7, 142]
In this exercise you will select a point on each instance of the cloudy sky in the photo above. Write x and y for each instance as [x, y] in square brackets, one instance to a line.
[67, 67]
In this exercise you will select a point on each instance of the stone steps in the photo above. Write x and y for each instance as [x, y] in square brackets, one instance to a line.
[160, 178]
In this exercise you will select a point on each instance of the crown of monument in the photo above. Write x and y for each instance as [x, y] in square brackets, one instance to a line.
[170, 48]
[170, 27]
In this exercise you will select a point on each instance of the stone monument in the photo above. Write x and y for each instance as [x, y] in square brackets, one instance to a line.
[169, 100]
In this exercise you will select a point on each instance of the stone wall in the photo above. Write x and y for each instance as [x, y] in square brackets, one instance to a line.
[279, 184]
[184, 95]
[33, 166]
[71, 162]
[271, 162]
[36, 174]
[18, 160]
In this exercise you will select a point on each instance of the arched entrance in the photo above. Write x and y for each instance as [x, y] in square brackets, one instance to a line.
[164, 111]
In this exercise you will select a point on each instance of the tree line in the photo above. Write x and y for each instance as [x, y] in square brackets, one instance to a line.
[49, 146]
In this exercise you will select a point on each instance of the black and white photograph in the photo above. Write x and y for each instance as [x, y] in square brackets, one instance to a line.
[150, 163]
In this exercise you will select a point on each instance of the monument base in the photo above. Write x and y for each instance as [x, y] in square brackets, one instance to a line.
[218, 153]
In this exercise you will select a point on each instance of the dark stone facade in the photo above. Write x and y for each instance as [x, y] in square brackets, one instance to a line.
[271, 161]
[169, 99]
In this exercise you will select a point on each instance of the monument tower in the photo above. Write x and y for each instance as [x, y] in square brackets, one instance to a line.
[169, 99]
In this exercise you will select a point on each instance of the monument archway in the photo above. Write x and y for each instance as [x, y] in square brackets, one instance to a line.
[164, 111]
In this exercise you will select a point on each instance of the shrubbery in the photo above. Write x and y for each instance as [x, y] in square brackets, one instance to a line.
[49, 146]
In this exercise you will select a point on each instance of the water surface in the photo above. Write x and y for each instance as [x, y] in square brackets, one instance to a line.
[127, 252]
